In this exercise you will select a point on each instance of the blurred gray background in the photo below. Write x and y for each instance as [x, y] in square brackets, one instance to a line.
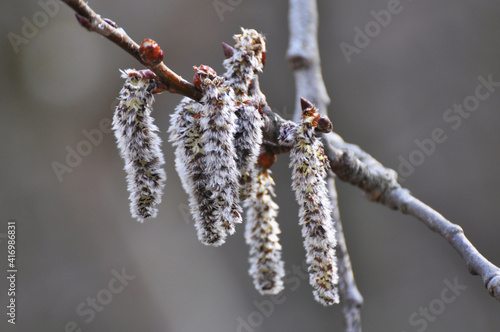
[74, 235]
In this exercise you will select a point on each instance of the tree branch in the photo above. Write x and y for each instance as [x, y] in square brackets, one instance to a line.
[303, 57]
[351, 298]
[380, 185]
[107, 28]
[348, 161]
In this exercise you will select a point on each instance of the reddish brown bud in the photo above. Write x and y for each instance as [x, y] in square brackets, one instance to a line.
[150, 52]
[228, 50]
[201, 73]
[266, 158]
[304, 103]
[196, 78]
[84, 22]
[324, 125]
[148, 73]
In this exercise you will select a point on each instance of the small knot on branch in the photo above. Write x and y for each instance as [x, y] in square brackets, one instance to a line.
[298, 61]
[493, 286]
[452, 231]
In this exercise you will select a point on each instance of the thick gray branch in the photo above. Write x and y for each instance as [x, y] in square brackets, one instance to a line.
[380, 185]
[303, 55]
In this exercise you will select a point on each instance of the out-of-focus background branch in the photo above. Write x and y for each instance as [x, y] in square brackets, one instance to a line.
[303, 56]
[62, 82]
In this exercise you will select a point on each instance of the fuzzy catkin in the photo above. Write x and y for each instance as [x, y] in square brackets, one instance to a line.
[218, 126]
[185, 135]
[261, 234]
[247, 58]
[139, 144]
[203, 134]
[309, 168]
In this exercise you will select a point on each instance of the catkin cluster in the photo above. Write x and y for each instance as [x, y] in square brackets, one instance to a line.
[218, 139]
[217, 142]
[309, 168]
[139, 143]
[223, 163]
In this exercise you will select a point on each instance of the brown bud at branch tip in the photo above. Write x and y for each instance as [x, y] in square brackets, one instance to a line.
[150, 52]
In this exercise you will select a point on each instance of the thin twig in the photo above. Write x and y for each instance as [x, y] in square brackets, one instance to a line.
[107, 28]
[351, 298]
[303, 57]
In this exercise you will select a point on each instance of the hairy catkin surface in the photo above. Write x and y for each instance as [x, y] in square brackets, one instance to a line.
[309, 169]
[203, 134]
[139, 144]
[218, 125]
[261, 234]
[248, 57]
[185, 135]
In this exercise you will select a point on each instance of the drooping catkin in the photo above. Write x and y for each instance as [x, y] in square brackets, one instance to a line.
[185, 135]
[139, 144]
[261, 234]
[203, 134]
[218, 126]
[242, 63]
[309, 168]
[244, 60]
